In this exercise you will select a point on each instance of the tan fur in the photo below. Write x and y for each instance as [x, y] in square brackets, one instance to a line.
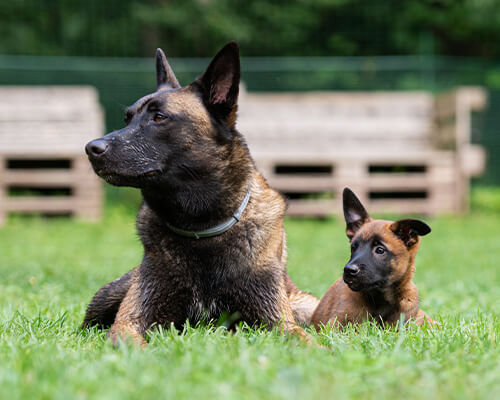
[124, 328]
[265, 208]
[184, 102]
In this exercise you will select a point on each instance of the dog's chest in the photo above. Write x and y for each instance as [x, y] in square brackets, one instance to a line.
[202, 280]
[217, 285]
[205, 282]
[203, 309]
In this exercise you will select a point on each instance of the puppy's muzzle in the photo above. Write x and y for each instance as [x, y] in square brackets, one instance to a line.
[351, 270]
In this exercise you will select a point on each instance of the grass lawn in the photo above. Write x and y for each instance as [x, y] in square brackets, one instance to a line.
[50, 269]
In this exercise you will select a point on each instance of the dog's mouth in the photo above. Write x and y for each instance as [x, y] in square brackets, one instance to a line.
[103, 173]
[353, 285]
[358, 286]
[122, 179]
[151, 173]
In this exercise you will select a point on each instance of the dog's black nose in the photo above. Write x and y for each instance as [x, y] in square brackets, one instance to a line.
[96, 147]
[351, 270]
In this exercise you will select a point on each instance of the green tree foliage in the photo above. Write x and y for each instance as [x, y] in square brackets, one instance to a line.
[263, 27]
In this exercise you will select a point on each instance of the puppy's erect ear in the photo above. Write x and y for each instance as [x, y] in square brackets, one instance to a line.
[165, 77]
[355, 214]
[220, 83]
[408, 230]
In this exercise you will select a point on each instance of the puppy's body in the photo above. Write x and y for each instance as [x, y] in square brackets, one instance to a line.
[377, 281]
[195, 172]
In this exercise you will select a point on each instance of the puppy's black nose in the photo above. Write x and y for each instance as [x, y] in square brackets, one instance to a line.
[96, 147]
[351, 270]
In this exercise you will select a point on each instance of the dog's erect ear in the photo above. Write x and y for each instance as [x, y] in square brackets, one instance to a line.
[355, 214]
[220, 83]
[165, 77]
[408, 230]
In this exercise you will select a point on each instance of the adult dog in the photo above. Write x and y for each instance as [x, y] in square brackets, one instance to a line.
[211, 227]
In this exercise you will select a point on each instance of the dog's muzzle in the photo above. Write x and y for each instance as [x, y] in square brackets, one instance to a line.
[96, 148]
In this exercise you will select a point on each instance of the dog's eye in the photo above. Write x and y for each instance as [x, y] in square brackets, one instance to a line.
[379, 250]
[354, 246]
[159, 117]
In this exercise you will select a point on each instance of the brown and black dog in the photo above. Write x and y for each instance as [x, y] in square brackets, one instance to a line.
[377, 280]
[211, 227]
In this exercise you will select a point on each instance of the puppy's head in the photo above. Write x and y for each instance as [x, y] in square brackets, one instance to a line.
[382, 252]
[176, 134]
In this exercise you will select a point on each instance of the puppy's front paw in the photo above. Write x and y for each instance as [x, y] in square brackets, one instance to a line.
[422, 318]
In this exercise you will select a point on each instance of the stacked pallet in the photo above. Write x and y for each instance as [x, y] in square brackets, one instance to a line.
[43, 166]
[401, 152]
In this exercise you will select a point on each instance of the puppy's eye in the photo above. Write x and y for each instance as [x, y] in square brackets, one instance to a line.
[159, 117]
[379, 250]
[354, 246]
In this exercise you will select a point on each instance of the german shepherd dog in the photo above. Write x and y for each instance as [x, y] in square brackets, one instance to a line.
[377, 280]
[211, 227]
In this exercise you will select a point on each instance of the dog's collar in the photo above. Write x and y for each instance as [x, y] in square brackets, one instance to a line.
[219, 229]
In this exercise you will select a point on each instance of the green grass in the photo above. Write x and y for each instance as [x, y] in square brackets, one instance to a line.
[50, 269]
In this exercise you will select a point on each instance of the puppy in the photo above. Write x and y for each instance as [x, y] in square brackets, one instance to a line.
[377, 280]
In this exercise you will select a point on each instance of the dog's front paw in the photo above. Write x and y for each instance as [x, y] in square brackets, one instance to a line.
[125, 336]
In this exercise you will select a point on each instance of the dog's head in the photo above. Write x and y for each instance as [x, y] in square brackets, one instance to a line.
[176, 134]
[382, 252]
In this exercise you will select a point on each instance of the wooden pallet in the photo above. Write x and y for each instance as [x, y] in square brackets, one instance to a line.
[420, 184]
[406, 152]
[43, 166]
[61, 184]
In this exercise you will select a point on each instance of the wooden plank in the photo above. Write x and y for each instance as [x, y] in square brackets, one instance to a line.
[473, 160]
[89, 194]
[401, 182]
[352, 173]
[271, 147]
[445, 105]
[47, 94]
[458, 105]
[82, 165]
[67, 111]
[399, 206]
[407, 100]
[307, 183]
[356, 155]
[54, 119]
[425, 158]
[328, 126]
[90, 208]
[317, 208]
[444, 136]
[443, 198]
[39, 178]
[44, 204]
[34, 154]
[67, 136]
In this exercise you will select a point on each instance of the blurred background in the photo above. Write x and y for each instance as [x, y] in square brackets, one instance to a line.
[286, 46]
[397, 99]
